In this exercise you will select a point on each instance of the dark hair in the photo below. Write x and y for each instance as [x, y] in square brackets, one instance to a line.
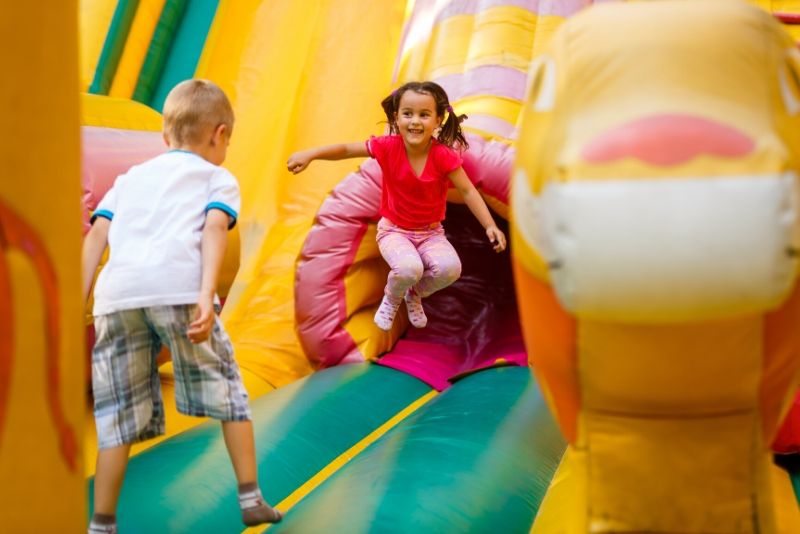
[450, 134]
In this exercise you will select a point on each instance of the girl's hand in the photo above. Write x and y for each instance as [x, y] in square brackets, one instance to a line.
[298, 161]
[497, 238]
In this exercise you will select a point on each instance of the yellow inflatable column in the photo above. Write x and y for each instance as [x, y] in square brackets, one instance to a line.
[300, 74]
[42, 392]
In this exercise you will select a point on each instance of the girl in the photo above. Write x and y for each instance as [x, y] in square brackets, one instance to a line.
[419, 157]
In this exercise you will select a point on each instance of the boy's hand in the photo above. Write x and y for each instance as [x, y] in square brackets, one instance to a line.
[497, 238]
[200, 328]
[298, 161]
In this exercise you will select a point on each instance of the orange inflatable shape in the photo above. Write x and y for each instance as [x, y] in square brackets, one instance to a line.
[655, 232]
[16, 233]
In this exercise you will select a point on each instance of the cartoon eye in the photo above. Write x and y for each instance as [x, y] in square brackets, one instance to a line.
[543, 87]
[789, 80]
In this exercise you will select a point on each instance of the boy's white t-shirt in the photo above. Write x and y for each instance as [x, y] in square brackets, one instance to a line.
[158, 210]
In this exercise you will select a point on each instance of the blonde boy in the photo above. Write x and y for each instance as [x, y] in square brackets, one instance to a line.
[166, 224]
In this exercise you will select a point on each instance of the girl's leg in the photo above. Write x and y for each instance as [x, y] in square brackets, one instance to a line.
[405, 270]
[442, 265]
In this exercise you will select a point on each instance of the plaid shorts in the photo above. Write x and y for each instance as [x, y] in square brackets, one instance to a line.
[127, 390]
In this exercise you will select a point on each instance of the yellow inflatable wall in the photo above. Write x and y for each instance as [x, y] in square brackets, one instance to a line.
[291, 90]
[42, 390]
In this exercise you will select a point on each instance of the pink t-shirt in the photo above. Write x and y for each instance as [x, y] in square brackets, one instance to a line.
[408, 200]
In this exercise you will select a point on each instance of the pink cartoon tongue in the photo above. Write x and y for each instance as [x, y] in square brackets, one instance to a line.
[666, 140]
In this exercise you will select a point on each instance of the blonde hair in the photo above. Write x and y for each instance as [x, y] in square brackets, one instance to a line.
[194, 106]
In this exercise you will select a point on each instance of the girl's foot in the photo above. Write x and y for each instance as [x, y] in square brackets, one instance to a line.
[384, 317]
[416, 313]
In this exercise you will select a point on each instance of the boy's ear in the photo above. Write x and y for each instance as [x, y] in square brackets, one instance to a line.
[166, 139]
[219, 134]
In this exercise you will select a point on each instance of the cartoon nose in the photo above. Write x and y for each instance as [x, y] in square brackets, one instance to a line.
[665, 140]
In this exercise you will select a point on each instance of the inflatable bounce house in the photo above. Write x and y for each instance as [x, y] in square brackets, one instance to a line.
[628, 365]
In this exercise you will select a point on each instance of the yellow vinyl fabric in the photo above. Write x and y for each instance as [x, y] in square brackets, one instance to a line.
[119, 113]
[669, 393]
[479, 54]
[42, 388]
[301, 74]
[136, 46]
[94, 18]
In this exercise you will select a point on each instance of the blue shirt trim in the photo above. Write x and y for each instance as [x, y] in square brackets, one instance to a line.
[101, 213]
[225, 208]
[183, 151]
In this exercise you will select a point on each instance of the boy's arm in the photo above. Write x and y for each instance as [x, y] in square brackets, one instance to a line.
[94, 244]
[298, 161]
[215, 239]
[477, 206]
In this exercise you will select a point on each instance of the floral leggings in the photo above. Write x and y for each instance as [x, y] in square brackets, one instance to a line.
[423, 258]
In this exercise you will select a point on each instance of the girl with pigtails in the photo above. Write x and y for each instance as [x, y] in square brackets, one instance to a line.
[419, 157]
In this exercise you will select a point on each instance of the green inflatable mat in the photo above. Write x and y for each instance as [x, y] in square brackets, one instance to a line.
[477, 458]
[186, 483]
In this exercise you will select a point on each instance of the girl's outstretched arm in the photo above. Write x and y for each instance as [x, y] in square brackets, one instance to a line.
[477, 206]
[298, 161]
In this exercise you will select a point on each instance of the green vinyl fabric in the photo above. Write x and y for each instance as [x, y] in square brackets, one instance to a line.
[186, 483]
[477, 458]
[159, 49]
[115, 41]
[185, 50]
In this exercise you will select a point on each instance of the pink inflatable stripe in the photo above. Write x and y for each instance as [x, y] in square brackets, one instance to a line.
[558, 8]
[439, 364]
[494, 80]
[327, 254]
[489, 165]
[491, 125]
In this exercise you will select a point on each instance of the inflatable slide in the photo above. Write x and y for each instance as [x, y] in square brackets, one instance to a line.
[442, 429]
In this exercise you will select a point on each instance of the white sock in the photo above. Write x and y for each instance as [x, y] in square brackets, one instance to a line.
[102, 528]
[250, 499]
[384, 317]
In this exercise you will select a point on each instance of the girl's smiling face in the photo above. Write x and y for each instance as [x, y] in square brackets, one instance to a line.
[416, 119]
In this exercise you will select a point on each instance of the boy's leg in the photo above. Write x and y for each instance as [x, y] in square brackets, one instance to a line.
[125, 386]
[110, 472]
[241, 448]
[208, 384]
[405, 267]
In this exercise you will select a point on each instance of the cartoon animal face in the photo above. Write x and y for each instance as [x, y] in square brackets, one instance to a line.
[663, 156]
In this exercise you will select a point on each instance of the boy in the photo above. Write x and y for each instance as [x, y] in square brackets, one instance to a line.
[166, 224]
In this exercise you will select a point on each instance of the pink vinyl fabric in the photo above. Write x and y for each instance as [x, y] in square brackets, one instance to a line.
[471, 317]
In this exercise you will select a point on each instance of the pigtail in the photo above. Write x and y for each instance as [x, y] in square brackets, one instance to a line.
[389, 105]
[450, 133]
